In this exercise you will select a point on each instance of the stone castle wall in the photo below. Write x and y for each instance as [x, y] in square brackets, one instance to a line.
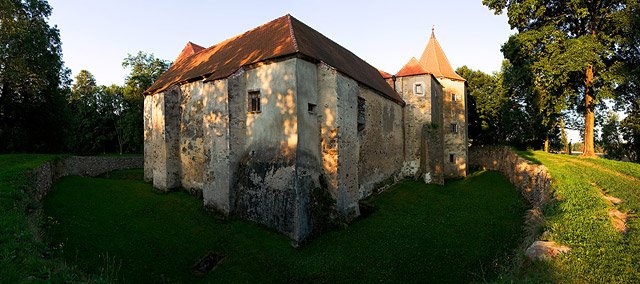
[423, 130]
[380, 141]
[45, 175]
[454, 112]
[533, 181]
[317, 129]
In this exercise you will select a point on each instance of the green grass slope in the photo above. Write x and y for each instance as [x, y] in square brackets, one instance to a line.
[580, 219]
[23, 258]
[120, 227]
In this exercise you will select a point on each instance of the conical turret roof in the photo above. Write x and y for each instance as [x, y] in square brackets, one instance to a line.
[413, 67]
[435, 61]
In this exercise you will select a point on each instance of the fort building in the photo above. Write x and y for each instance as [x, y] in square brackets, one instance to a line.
[269, 123]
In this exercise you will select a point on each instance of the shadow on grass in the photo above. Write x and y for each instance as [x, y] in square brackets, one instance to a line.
[529, 156]
[458, 233]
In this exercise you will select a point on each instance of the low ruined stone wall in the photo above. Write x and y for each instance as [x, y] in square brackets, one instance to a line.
[534, 181]
[45, 175]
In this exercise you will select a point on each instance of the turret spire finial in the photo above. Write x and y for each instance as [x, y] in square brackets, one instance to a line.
[433, 30]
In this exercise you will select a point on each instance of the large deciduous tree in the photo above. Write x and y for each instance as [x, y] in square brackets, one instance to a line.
[32, 78]
[564, 51]
[144, 70]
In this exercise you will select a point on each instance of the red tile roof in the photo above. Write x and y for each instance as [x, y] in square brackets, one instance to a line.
[435, 61]
[281, 37]
[190, 49]
[385, 75]
[413, 67]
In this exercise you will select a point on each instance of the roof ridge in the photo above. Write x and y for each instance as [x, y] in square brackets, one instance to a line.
[292, 33]
[242, 34]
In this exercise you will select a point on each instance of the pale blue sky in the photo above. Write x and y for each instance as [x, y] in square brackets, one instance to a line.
[97, 35]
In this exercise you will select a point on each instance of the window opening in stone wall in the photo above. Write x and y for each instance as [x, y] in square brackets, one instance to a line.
[254, 102]
[452, 158]
[361, 114]
[311, 108]
[418, 89]
[454, 128]
[453, 97]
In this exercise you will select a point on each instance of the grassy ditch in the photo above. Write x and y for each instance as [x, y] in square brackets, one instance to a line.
[580, 219]
[120, 227]
[23, 256]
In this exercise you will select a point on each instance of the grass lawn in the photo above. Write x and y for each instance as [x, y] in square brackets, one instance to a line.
[580, 219]
[119, 227]
[22, 256]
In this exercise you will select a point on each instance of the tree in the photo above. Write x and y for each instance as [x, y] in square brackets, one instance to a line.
[565, 47]
[611, 138]
[145, 69]
[627, 75]
[112, 107]
[485, 101]
[96, 122]
[84, 86]
[85, 125]
[630, 128]
[32, 78]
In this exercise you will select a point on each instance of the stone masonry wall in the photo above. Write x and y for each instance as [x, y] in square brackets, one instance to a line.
[48, 173]
[454, 112]
[533, 181]
[423, 129]
[381, 143]
[417, 113]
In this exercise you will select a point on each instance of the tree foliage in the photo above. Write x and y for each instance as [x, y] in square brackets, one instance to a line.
[611, 139]
[563, 54]
[32, 78]
[110, 118]
[144, 70]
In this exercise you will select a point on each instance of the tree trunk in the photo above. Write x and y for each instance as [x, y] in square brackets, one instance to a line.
[589, 118]
[546, 144]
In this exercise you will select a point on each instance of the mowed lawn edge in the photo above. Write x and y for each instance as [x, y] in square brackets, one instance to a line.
[579, 218]
[464, 231]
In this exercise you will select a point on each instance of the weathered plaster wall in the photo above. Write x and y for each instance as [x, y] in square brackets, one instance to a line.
[164, 140]
[216, 191]
[417, 113]
[455, 112]
[423, 128]
[191, 141]
[308, 158]
[149, 147]
[266, 174]
[381, 154]
[338, 107]
[433, 161]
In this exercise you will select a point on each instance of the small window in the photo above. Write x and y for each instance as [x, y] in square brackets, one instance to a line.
[453, 97]
[418, 89]
[311, 108]
[452, 158]
[254, 102]
[454, 128]
[361, 114]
